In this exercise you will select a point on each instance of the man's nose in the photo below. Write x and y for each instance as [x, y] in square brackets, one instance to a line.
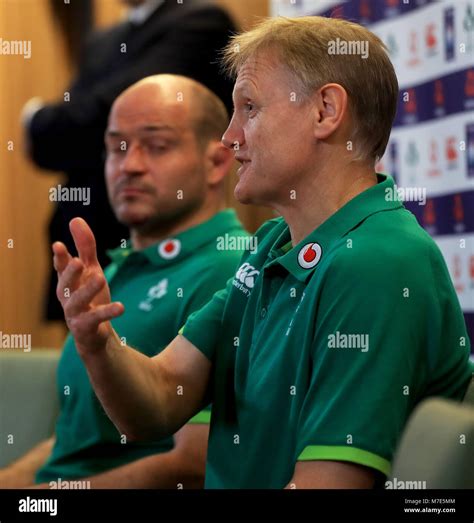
[233, 138]
[133, 161]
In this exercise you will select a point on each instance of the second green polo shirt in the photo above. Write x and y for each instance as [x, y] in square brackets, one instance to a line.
[159, 286]
[321, 351]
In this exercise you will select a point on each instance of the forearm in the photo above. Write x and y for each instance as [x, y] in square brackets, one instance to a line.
[130, 389]
[182, 467]
[22, 472]
[161, 471]
[331, 475]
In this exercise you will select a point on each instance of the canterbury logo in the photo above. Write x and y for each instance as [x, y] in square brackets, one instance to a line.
[245, 278]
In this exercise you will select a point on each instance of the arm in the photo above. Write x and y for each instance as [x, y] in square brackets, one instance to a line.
[182, 467]
[161, 393]
[331, 475]
[22, 472]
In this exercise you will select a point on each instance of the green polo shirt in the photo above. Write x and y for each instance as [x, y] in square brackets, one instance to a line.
[159, 286]
[321, 351]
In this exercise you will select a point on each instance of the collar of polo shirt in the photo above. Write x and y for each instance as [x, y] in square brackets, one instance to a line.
[190, 240]
[371, 201]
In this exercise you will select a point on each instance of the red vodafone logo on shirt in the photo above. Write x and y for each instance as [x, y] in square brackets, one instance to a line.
[309, 255]
[169, 249]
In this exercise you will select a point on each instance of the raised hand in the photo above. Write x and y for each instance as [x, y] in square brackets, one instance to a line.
[83, 291]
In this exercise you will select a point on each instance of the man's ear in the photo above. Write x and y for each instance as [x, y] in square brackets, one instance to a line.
[219, 161]
[329, 108]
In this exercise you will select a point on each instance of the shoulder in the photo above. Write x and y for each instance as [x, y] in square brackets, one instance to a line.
[388, 253]
[191, 16]
[218, 260]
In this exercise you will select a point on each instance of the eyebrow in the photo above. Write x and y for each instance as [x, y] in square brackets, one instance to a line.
[148, 129]
[245, 90]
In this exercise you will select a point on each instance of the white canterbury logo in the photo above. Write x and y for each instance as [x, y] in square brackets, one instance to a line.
[154, 293]
[245, 278]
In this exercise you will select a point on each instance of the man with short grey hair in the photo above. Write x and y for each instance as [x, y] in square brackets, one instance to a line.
[327, 337]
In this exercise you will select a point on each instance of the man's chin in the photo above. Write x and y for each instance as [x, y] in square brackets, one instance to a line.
[132, 219]
[243, 194]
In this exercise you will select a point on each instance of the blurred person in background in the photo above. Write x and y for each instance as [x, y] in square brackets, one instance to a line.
[165, 173]
[159, 36]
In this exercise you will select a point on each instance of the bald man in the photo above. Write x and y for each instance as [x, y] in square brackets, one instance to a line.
[165, 172]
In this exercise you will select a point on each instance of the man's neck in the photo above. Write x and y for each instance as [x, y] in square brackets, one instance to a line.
[141, 238]
[315, 203]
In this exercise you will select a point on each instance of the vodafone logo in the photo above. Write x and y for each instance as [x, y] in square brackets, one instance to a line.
[169, 249]
[247, 275]
[310, 255]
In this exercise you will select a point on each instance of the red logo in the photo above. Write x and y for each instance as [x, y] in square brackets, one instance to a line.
[309, 255]
[169, 249]
[365, 10]
[458, 209]
[430, 37]
[451, 153]
[469, 85]
[429, 216]
[439, 93]
[410, 106]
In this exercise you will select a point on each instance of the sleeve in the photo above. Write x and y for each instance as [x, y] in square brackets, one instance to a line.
[213, 280]
[359, 397]
[211, 277]
[202, 417]
[202, 328]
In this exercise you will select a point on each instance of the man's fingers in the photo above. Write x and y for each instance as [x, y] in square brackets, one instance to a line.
[80, 300]
[87, 323]
[84, 240]
[61, 257]
[109, 311]
[69, 280]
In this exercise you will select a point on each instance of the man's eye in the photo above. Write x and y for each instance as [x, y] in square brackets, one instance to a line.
[156, 147]
[116, 149]
[249, 107]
